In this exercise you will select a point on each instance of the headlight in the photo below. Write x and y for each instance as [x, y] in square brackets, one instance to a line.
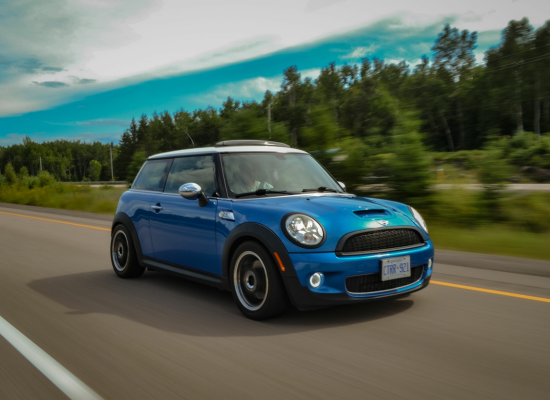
[419, 218]
[303, 230]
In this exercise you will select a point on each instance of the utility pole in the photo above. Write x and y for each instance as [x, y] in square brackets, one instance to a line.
[40, 163]
[112, 173]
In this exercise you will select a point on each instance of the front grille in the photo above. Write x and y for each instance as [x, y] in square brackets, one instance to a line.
[373, 282]
[382, 240]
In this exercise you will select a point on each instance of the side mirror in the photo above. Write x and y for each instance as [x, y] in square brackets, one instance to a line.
[192, 191]
[342, 185]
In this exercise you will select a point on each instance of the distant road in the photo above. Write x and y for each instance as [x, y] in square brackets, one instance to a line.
[512, 187]
[162, 337]
[532, 187]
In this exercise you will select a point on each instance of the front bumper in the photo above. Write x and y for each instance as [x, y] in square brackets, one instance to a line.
[337, 269]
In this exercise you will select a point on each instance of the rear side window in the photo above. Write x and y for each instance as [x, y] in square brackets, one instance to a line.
[151, 176]
[199, 170]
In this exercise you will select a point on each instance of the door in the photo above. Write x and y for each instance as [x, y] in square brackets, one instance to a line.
[182, 232]
[138, 201]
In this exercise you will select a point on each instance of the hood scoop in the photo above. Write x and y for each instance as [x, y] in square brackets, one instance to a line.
[372, 213]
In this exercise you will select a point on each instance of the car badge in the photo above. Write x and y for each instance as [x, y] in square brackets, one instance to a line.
[383, 222]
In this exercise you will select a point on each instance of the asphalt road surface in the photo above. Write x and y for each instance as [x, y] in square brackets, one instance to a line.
[162, 337]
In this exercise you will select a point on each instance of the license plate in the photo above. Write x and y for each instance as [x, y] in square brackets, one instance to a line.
[395, 268]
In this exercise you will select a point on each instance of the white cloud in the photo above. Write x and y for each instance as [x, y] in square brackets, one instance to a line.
[410, 63]
[414, 63]
[359, 52]
[480, 58]
[314, 5]
[312, 73]
[241, 90]
[119, 42]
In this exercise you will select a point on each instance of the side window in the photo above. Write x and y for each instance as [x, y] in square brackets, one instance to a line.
[151, 175]
[199, 170]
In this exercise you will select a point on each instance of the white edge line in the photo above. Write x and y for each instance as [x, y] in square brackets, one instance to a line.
[69, 384]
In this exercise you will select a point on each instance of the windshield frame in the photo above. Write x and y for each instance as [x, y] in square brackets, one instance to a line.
[232, 195]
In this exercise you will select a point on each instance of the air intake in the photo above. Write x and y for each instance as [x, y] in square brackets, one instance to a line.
[371, 213]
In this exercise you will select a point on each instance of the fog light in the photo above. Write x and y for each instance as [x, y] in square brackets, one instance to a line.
[316, 279]
[430, 263]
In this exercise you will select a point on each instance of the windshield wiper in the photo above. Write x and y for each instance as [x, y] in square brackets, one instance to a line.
[321, 189]
[263, 192]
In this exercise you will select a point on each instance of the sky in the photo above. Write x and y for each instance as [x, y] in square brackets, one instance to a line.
[82, 69]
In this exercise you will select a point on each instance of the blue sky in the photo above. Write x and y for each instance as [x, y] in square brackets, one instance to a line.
[59, 98]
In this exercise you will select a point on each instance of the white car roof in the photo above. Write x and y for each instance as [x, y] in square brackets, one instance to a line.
[228, 149]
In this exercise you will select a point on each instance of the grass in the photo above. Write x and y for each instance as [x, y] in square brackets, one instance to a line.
[492, 239]
[101, 200]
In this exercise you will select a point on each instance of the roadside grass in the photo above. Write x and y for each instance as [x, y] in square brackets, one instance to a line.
[101, 200]
[492, 239]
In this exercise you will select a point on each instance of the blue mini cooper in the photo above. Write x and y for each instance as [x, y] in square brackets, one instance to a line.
[270, 224]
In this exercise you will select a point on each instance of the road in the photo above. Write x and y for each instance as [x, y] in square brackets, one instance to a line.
[511, 187]
[161, 337]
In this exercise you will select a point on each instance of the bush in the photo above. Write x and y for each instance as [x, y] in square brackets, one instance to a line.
[45, 179]
[9, 174]
[528, 212]
[23, 173]
[94, 170]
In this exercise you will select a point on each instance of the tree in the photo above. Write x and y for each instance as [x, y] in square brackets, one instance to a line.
[453, 62]
[10, 175]
[506, 65]
[247, 124]
[138, 159]
[291, 94]
[408, 168]
[182, 122]
[94, 170]
[23, 173]
[127, 146]
[541, 72]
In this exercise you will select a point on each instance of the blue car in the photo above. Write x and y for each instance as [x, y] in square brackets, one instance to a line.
[270, 224]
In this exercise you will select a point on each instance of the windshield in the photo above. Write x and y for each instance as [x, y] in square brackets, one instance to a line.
[275, 172]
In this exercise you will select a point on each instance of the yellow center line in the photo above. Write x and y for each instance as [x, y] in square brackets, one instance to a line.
[519, 296]
[55, 220]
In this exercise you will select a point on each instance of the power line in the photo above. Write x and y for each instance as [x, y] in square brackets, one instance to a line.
[519, 52]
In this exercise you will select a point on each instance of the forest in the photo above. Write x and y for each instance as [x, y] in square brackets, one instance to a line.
[373, 119]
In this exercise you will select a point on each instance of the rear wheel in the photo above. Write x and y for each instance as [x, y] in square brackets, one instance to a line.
[123, 254]
[256, 284]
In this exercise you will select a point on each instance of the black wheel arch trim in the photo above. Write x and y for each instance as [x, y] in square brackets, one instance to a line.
[266, 237]
[124, 219]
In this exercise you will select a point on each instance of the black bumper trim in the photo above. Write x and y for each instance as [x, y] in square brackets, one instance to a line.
[304, 299]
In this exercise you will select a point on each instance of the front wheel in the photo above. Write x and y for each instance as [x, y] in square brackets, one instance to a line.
[256, 284]
[123, 254]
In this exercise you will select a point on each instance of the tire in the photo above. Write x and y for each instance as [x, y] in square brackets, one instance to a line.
[123, 254]
[256, 284]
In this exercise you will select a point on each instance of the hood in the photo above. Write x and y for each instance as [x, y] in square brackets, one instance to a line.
[338, 213]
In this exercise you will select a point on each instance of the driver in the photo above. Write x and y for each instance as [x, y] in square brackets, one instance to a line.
[247, 179]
